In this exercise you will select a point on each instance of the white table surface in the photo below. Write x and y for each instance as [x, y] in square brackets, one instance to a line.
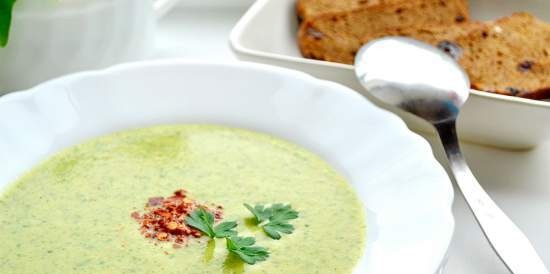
[518, 181]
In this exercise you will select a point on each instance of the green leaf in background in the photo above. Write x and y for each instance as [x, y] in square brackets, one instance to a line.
[6, 7]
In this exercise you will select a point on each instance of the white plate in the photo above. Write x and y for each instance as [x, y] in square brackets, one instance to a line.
[406, 193]
[267, 34]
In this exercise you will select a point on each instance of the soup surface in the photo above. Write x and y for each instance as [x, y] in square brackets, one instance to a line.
[71, 213]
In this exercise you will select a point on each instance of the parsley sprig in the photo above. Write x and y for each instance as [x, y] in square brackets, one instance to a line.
[203, 220]
[6, 8]
[275, 219]
[245, 249]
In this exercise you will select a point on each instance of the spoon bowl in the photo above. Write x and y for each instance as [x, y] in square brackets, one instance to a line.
[411, 75]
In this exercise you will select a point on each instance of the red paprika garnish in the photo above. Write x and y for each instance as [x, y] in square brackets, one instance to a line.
[164, 218]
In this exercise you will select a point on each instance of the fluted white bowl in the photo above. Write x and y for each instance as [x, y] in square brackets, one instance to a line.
[406, 194]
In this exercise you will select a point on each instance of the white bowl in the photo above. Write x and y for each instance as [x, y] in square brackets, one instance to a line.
[487, 118]
[406, 193]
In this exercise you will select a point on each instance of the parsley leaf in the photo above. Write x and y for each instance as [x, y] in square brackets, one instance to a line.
[245, 249]
[203, 220]
[6, 7]
[225, 230]
[259, 212]
[274, 229]
[283, 213]
[274, 220]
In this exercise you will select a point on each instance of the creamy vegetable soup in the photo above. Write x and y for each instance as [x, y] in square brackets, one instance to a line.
[170, 199]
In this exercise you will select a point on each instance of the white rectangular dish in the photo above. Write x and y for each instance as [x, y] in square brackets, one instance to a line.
[267, 34]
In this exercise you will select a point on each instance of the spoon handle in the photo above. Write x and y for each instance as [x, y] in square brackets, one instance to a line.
[508, 241]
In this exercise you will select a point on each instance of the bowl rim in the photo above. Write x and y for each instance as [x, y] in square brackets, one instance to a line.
[239, 30]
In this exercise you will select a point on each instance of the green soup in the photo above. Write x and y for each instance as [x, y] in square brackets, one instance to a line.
[71, 214]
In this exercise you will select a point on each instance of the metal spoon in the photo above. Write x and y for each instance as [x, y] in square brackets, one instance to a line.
[428, 83]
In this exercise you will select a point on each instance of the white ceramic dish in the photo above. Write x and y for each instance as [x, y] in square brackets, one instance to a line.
[406, 193]
[64, 37]
[267, 34]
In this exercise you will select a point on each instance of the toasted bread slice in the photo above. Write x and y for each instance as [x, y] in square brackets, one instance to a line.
[510, 56]
[337, 36]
